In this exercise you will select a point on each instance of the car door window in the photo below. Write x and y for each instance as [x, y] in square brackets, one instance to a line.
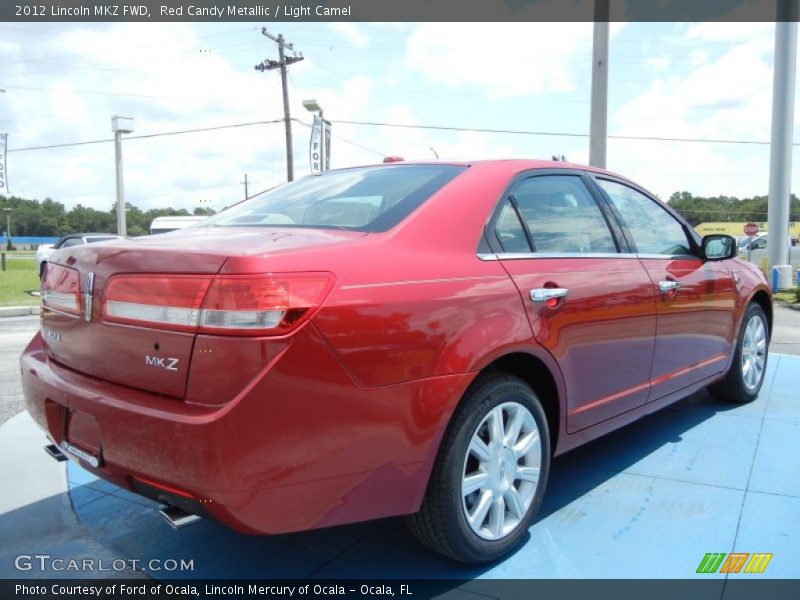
[71, 242]
[654, 230]
[561, 215]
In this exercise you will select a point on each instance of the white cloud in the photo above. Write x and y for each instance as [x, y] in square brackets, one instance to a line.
[726, 97]
[350, 33]
[502, 59]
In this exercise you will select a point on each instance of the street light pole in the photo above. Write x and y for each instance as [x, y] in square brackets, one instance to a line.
[120, 125]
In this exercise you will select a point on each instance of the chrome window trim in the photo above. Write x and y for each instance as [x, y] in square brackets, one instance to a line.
[543, 255]
[670, 256]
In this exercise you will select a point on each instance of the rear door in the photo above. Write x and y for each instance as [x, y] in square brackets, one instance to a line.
[590, 303]
[696, 298]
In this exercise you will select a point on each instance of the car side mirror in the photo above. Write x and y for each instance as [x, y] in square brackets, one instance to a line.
[719, 247]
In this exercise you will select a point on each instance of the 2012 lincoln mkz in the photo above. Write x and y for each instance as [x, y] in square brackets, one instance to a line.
[402, 339]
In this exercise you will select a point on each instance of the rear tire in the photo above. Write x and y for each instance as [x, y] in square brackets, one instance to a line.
[490, 474]
[746, 374]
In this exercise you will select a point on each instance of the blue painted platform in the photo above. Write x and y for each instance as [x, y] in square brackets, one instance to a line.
[648, 501]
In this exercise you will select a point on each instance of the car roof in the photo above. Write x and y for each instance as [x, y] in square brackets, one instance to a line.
[511, 165]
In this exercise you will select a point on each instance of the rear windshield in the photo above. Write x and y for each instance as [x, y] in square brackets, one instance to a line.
[361, 199]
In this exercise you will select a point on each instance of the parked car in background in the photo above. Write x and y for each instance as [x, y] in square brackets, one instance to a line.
[402, 339]
[167, 224]
[754, 249]
[45, 251]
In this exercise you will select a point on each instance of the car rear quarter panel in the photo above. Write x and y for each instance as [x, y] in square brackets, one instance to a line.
[416, 302]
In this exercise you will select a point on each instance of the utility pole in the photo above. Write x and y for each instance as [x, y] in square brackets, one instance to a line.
[246, 195]
[780, 151]
[283, 62]
[598, 127]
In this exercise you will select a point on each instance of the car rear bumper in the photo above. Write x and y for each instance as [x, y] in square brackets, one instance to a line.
[301, 447]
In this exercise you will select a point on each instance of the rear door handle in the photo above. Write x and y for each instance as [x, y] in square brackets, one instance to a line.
[666, 287]
[545, 294]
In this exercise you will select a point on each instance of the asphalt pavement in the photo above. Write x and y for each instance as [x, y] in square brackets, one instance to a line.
[15, 333]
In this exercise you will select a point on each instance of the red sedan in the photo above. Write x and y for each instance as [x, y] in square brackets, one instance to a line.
[404, 339]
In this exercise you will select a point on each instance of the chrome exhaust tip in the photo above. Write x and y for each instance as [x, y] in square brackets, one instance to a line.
[55, 452]
[177, 517]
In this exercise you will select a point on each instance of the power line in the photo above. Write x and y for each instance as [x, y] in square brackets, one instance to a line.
[147, 135]
[555, 133]
[397, 125]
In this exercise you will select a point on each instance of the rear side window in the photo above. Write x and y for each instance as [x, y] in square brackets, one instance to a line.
[361, 199]
[561, 215]
[509, 231]
[654, 229]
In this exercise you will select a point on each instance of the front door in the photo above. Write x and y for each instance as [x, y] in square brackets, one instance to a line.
[695, 298]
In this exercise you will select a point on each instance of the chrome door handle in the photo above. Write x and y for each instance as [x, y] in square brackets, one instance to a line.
[544, 294]
[669, 286]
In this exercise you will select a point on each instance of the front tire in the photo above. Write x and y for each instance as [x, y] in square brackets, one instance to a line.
[743, 380]
[489, 478]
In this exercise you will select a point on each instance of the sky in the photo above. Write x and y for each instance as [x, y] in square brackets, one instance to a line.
[63, 83]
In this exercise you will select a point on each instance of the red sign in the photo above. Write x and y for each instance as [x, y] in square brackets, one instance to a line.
[751, 229]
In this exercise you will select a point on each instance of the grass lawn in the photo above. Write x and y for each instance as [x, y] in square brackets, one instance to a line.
[17, 280]
[787, 296]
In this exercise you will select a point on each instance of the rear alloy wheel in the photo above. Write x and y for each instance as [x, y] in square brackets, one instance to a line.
[743, 381]
[490, 474]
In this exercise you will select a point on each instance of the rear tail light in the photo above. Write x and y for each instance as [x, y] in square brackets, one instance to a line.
[164, 301]
[61, 289]
[267, 304]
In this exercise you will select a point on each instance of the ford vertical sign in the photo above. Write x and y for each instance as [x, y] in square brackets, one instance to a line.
[315, 147]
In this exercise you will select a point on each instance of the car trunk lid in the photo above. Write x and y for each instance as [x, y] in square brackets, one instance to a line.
[155, 358]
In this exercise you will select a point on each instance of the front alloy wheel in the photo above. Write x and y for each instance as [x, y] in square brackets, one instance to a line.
[490, 473]
[754, 352]
[743, 380]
